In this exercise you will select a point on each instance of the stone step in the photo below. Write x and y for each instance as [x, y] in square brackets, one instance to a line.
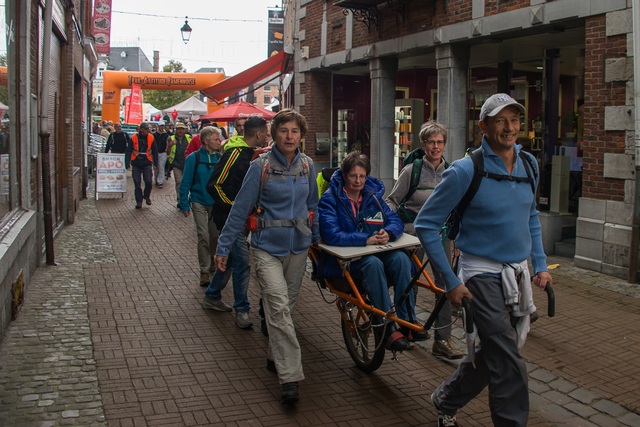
[565, 248]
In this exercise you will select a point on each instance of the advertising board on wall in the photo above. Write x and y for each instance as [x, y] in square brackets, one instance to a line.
[276, 31]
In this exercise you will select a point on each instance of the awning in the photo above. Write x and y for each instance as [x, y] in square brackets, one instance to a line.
[258, 75]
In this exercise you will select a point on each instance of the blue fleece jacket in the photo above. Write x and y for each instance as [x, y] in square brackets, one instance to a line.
[340, 226]
[196, 191]
[283, 198]
[501, 223]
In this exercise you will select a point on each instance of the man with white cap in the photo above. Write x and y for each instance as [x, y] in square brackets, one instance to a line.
[499, 231]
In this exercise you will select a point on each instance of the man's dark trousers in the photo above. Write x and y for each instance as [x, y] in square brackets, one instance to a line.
[498, 363]
[146, 173]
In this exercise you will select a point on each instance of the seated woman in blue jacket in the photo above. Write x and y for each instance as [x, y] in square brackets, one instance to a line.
[353, 213]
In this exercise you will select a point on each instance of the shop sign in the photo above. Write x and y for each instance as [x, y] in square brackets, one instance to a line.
[111, 175]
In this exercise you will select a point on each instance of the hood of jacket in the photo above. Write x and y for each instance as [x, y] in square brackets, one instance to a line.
[234, 142]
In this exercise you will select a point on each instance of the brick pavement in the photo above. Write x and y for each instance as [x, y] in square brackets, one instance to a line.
[115, 335]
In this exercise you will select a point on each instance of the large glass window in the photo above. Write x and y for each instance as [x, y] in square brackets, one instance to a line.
[7, 157]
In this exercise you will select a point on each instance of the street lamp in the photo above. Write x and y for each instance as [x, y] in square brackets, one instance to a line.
[186, 31]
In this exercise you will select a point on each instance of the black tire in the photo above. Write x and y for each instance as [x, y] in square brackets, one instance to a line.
[362, 349]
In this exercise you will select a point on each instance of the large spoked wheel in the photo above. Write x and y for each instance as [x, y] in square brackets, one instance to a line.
[362, 339]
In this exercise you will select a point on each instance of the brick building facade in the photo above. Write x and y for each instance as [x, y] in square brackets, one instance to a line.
[569, 61]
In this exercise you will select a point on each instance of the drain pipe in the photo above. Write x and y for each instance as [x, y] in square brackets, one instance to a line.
[44, 135]
[635, 229]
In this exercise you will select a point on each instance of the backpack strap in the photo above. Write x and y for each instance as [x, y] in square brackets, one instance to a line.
[415, 178]
[478, 166]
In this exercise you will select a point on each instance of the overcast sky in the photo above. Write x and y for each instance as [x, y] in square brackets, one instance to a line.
[227, 34]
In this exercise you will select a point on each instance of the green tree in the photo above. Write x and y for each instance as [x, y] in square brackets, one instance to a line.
[162, 99]
[4, 90]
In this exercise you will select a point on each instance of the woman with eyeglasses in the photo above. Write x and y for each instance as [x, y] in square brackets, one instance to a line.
[353, 213]
[407, 197]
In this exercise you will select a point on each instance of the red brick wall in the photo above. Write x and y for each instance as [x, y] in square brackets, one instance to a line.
[597, 95]
[493, 7]
[312, 24]
[317, 87]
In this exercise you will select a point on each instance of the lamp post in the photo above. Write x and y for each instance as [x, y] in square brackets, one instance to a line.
[186, 31]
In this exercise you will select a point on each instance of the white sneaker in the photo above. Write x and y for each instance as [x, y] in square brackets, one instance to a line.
[444, 420]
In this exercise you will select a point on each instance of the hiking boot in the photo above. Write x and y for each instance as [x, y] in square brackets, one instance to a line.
[242, 320]
[215, 304]
[148, 201]
[446, 349]
[289, 394]
[271, 366]
[204, 279]
[444, 420]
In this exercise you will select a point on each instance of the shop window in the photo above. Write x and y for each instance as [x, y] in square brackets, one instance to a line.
[7, 157]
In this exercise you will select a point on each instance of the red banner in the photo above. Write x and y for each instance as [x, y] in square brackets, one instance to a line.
[135, 112]
[102, 26]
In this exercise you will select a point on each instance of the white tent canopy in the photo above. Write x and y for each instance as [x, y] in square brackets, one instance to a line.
[3, 107]
[189, 107]
[150, 110]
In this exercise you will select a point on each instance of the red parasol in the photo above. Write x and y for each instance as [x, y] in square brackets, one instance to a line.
[238, 110]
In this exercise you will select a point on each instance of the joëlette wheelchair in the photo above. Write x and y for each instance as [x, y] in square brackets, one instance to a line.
[363, 325]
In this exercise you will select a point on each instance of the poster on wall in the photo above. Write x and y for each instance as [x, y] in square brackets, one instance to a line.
[102, 26]
[4, 175]
[111, 175]
[276, 31]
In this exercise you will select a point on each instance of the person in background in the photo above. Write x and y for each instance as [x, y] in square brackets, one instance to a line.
[498, 232]
[286, 200]
[175, 152]
[117, 141]
[161, 138]
[353, 213]
[142, 154]
[238, 126]
[224, 185]
[408, 201]
[106, 130]
[195, 198]
[196, 143]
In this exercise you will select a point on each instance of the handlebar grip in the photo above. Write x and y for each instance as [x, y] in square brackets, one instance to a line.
[468, 315]
[551, 305]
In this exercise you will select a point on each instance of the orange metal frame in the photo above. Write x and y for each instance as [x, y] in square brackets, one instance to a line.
[356, 298]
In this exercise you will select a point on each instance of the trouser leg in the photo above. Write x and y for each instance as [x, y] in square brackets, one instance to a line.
[160, 170]
[177, 175]
[201, 219]
[136, 174]
[147, 176]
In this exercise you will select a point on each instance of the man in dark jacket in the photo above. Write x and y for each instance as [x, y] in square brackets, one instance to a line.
[142, 153]
[224, 185]
[117, 140]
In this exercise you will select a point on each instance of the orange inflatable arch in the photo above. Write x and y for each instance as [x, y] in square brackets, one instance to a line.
[115, 81]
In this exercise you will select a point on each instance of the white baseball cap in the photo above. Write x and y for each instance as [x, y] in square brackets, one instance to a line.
[495, 103]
